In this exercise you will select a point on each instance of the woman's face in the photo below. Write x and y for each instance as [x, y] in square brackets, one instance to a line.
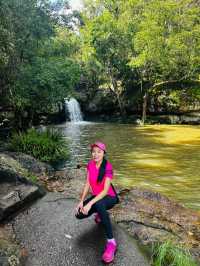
[97, 154]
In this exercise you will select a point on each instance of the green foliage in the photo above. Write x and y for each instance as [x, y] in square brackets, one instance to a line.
[176, 99]
[45, 83]
[194, 93]
[141, 44]
[168, 254]
[50, 77]
[38, 49]
[122, 46]
[170, 100]
[106, 43]
[167, 40]
[32, 177]
[24, 25]
[48, 146]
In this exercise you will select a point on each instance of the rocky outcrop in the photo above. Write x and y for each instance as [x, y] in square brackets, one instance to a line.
[53, 236]
[101, 102]
[152, 217]
[16, 187]
[31, 164]
[17, 173]
[148, 216]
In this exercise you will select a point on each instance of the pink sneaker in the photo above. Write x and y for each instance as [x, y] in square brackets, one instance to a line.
[97, 218]
[109, 253]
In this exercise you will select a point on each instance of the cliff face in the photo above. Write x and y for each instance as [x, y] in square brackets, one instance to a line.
[103, 100]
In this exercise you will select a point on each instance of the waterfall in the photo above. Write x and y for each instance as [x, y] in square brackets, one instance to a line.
[73, 107]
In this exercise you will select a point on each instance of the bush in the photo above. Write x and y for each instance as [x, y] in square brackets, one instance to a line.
[168, 254]
[48, 146]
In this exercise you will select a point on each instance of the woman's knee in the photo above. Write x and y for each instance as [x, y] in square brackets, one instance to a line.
[99, 206]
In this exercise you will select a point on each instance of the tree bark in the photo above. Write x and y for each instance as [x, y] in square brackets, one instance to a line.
[18, 120]
[144, 108]
[121, 107]
[116, 90]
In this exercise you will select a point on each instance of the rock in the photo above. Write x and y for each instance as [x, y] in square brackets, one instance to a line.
[53, 236]
[31, 164]
[15, 189]
[11, 170]
[73, 187]
[10, 250]
[62, 174]
[148, 216]
[12, 198]
[152, 217]
[54, 186]
[3, 259]
[139, 122]
[101, 102]
[69, 181]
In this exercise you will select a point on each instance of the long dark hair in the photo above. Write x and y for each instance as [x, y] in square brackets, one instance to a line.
[102, 170]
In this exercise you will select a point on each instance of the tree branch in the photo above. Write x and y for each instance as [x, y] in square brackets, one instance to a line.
[173, 81]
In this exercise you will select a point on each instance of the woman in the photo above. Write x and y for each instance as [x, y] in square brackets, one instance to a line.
[99, 176]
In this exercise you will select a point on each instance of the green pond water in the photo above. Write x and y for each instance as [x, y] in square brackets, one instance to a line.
[165, 158]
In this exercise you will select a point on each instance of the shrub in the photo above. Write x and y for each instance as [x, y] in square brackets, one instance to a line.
[48, 146]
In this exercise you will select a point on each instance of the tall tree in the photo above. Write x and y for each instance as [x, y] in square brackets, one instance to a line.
[38, 55]
[107, 42]
[166, 44]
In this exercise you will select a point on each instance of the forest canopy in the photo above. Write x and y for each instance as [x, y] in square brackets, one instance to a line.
[140, 51]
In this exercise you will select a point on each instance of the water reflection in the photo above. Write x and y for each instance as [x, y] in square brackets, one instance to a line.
[160, 157]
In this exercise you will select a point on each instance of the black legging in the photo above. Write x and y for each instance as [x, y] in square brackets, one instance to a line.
[100, 207]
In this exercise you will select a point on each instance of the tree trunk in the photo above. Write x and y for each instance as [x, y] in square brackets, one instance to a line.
[144, 108]
[116, 92]
[30, 118]
[121, 107]
[114, 88]
[18, 120]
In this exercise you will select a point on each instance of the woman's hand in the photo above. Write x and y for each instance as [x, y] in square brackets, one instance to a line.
[86, 208]
[79, 206]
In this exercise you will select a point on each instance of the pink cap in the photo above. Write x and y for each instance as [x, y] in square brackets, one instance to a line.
[99, 144]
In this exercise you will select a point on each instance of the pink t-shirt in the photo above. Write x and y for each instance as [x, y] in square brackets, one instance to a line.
[93, 175]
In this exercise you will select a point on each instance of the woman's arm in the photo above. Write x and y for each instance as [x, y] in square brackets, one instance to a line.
[85, 189]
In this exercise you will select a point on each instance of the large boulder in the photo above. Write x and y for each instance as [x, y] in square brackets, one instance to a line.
[148, 216]
[102, 102]
[152, 217]
[31, 164]
[16, 187]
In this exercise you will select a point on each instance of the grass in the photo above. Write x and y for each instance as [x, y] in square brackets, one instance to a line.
[168, 254]
[48, 146]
